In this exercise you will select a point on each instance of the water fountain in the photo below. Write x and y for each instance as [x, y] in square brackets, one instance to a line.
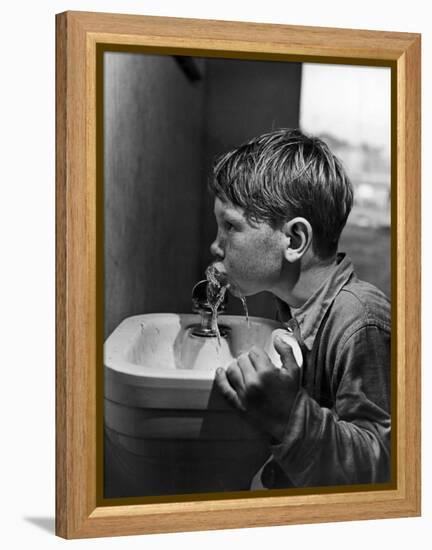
[168, 430]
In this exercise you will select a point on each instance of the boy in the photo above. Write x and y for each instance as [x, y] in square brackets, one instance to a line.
[281, 202]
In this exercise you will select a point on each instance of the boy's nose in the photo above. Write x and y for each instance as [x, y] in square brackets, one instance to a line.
[216, 249]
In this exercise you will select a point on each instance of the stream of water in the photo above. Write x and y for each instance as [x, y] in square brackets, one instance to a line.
[215, 295]
[245, 309]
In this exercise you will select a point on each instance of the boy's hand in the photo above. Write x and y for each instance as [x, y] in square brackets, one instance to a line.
[265, 393]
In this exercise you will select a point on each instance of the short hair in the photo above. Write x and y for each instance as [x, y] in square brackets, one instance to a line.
[284, 174]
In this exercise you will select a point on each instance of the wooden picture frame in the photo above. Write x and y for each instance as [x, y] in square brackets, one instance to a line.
[79, 509]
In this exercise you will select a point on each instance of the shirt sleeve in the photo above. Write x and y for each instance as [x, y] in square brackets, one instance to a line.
[349, 443]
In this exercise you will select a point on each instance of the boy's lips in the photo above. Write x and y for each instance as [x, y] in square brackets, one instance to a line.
[220, 273]
[225, 279]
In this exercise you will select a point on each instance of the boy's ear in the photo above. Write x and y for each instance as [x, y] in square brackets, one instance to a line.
[299, 233]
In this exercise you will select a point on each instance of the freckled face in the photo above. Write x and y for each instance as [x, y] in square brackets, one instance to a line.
[251, 254]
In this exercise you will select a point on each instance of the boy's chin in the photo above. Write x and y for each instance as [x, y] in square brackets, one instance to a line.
[235, 291]
[238, 292]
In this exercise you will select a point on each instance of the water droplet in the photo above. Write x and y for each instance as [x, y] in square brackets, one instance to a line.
[243, 301]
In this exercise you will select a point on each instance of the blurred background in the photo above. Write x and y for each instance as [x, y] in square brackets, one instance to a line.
[165, 120]
[349, 107]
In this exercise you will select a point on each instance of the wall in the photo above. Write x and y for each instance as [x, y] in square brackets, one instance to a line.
[27, 277]
[162, 132]
[153, 182]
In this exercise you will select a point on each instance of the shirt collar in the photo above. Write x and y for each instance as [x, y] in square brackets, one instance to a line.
[311, 314]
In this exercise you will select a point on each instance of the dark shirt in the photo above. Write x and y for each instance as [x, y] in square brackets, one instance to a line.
[339, 428]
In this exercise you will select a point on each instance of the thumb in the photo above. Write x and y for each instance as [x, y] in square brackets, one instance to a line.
[286, 352]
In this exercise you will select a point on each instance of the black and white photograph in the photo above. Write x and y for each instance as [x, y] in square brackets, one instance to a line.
[216, 304]
[247, 276]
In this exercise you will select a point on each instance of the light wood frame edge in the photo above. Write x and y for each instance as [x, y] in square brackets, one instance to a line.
[77, 514]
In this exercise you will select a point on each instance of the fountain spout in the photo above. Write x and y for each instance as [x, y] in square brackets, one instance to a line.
[206, 309]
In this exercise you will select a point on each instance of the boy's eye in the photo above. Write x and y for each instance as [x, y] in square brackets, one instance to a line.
[229, 226]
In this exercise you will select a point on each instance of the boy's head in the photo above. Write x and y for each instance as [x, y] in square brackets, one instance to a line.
[279, 198]
[283, 175]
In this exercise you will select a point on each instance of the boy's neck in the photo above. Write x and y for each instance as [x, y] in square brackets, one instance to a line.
[311, 275]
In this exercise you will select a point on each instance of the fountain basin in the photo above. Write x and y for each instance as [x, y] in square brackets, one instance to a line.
[168, 429]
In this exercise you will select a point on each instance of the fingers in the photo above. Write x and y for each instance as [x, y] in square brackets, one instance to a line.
[235, 377]
[286, 354]
[240, 379]
[247, 369]
[227, 390]
[260, 360]
[290, 369]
